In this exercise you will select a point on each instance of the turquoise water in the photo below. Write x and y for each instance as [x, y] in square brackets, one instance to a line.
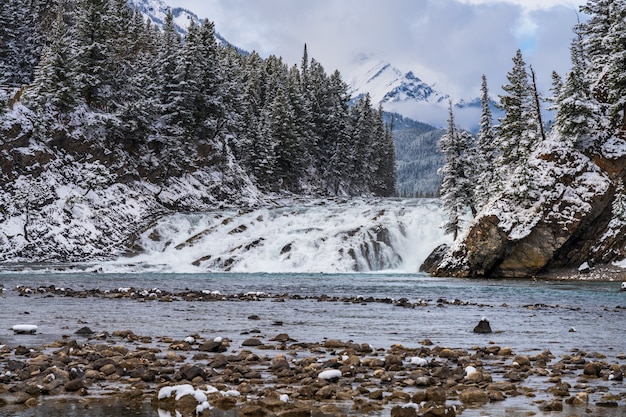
[528, 316]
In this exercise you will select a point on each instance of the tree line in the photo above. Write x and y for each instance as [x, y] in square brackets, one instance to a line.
[589, 105]
[97, 70]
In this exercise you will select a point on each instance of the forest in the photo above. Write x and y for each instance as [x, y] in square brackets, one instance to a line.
[95, 81]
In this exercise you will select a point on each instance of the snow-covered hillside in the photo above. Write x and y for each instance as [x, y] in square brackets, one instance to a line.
[156, 11]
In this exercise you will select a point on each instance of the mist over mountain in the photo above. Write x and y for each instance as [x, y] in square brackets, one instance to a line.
[407, 94]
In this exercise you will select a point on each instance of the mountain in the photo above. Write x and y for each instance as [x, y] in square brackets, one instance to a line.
[417, 156]
[156, 11]
[406, 94]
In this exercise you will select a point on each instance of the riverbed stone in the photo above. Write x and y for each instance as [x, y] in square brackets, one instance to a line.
[592, 369]
[474, 396]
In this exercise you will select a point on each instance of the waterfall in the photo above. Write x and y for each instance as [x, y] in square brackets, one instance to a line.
[319, 236]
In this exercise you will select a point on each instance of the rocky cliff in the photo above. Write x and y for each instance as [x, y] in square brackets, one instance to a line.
[568, 221]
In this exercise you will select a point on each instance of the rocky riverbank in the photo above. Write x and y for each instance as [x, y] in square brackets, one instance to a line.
[267, 375]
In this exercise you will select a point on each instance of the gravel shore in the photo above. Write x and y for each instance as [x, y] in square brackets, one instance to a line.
[275, 375]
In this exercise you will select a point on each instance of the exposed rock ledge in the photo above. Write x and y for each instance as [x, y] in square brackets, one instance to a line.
[568, 221]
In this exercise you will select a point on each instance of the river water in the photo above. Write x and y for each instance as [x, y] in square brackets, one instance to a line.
[527, 315]
[308, 249]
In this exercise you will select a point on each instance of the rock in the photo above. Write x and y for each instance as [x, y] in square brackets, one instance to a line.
[432, 262]
[189, 372]
[505, 351]
[508, 239]
[251, 342]
[436, 395]
[393, 362]
[326, 392]
[328, 410]
[555, 405]
[522, 360]
[580, 399]
[84, 331]
[483, 326]
[474, 396]
[438, 411]
[74, 385]
[108, 369]
[212, 346]
[300, 411]
[592, 369]
[282, 338]
[400, 411]
[250, 409]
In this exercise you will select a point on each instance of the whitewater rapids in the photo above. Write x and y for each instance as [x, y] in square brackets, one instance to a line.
[317, 236]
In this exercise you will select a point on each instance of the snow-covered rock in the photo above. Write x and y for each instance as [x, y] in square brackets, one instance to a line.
[561, 223]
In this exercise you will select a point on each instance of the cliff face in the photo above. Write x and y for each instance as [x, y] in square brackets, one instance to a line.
[567, 220]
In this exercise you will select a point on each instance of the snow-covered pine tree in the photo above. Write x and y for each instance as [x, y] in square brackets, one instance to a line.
[577, 111]
[456, 187]
[92, 57]
[518, 132]
[384, 161]
[604, 42]
[361, 134]
[616, 67]
[486, 152]
[137, 107]
[335, 167]
[22, 24]
[167, 130]
[619, 204]
[303, 165]
[54, 92]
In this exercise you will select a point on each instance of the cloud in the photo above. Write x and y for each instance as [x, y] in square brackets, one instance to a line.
[450, 43]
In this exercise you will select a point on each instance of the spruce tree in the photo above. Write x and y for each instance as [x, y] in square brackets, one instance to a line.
[519, 130]
[455, 185]
[54, 93]
[335, 167]
[486, 152]
[577, 110]
[168, 132]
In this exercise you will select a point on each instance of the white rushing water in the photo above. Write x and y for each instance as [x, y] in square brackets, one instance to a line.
[319, 236]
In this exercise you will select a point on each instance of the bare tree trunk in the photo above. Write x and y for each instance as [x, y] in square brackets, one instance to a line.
[537, 103]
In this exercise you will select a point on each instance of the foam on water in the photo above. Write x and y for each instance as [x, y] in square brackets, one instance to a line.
[317, 236]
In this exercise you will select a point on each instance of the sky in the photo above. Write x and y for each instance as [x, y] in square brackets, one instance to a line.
[448, 43]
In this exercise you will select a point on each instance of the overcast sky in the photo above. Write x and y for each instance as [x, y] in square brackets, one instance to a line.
[450, 43]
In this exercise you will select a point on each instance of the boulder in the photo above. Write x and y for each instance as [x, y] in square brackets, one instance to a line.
[558, 228]
[483, 326]
[474, 396]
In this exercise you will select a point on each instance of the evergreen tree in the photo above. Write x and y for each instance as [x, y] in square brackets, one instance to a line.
[455, 185]
[362, 132]
[616, 66]
[92, 54]
[22, 35]
[619, 203]
[604, 42]
[555, 89]
[336, 167]
[168, 103]
[577, 110]
[485, 153]
[384, 161]
[519, 129]
[53, 92]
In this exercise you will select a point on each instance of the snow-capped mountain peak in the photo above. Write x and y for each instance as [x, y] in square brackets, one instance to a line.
[157, 11]
[387, 84]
